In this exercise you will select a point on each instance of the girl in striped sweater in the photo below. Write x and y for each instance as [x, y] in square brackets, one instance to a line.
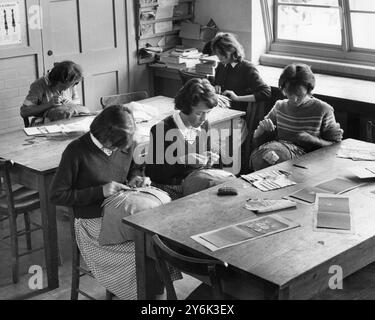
[299, 124]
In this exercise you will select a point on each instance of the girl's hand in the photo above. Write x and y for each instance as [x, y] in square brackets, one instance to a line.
[223, 101]
[194, 159]
[112, 188]
[213, 158]
[267, 125]
[231, 95]
[139, 182]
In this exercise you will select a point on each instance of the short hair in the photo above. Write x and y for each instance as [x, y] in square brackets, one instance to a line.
[297, 75]
[227, 45]
[114, 124]
[65, 72]
[193, 92]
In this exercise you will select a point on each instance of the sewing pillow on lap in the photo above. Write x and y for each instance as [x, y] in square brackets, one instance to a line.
[66, 112]
[113, 230]
[203, 179]
[272, 153]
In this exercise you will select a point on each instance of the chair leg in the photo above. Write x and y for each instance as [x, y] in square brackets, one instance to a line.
[14, 248]
[75, 272]
[108, 295]
[26, 217]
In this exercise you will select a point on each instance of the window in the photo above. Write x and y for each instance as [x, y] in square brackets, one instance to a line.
[332, 29]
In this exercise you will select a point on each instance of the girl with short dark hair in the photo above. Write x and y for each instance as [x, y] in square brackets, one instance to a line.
[299, 124]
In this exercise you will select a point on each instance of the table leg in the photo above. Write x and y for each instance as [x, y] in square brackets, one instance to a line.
[48, 211]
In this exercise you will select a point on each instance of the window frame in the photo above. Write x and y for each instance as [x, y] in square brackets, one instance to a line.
[344, 53]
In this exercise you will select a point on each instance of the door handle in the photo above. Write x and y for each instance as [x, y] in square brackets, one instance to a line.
[50, 52]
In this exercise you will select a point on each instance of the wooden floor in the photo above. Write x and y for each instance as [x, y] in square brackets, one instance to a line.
[360, 285]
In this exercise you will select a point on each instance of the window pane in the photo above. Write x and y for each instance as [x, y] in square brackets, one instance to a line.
[362, 23]
[308, 24]
[312, 2]
[363, 5]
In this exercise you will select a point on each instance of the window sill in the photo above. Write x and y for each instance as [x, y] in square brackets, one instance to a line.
[337, 68]
[326, 85]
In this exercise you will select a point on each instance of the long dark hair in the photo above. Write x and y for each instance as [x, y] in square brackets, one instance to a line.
[65, 72]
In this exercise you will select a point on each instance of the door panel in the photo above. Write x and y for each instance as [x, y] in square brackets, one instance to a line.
[91, 33]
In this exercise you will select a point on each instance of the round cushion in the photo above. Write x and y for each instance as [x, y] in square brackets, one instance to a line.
[272, 153]
[113, 230]
[203, 179]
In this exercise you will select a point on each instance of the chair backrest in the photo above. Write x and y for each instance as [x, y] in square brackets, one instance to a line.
[194, 266]
[107, 101]
[6, 183]
[370, 132]
[185, 76]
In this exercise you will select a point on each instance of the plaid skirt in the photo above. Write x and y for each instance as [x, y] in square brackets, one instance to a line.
[112, 266]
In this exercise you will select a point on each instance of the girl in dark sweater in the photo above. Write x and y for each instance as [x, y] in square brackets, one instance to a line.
[92, 168]
[181, 143]
[236, 77]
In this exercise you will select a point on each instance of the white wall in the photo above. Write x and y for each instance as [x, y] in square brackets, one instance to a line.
[230, 16]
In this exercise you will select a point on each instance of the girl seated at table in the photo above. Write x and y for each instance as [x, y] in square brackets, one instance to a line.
[55, 95]
[299, 124]
[180, 145]
[236, 77]
[93, 168]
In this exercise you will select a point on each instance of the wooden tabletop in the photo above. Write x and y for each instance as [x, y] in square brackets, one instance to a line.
[285, 258]
[43, 154]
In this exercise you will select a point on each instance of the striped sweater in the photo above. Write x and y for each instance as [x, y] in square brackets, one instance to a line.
[313, 117]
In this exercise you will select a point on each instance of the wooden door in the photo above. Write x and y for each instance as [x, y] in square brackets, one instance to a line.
[91, 33]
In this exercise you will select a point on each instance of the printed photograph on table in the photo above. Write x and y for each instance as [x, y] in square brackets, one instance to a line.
[333, 213]
[250, 230]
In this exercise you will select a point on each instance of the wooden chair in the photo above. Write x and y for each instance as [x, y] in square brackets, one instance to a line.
[370, 132]
[107, 101]
[14, 201]
[77, 270]
[190, 265]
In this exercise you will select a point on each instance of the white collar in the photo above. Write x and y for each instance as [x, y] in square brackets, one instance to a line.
[97, 143]
[233, 64]
[189, 133]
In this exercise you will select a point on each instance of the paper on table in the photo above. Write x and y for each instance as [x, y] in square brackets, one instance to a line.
[335, 186]
[333, 212]
[243, 232]
[33, 131]
[357, 154]
[263, 205]
[363, 173]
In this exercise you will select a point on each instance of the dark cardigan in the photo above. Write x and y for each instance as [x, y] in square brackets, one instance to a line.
[157, 167]
[243, 79]
[83, 171]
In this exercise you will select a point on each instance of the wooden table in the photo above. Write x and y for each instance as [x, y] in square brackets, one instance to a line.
[36, 161]
[290, 265]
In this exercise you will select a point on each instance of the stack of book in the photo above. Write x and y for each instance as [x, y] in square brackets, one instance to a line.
[181, 58]
[207, 65]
